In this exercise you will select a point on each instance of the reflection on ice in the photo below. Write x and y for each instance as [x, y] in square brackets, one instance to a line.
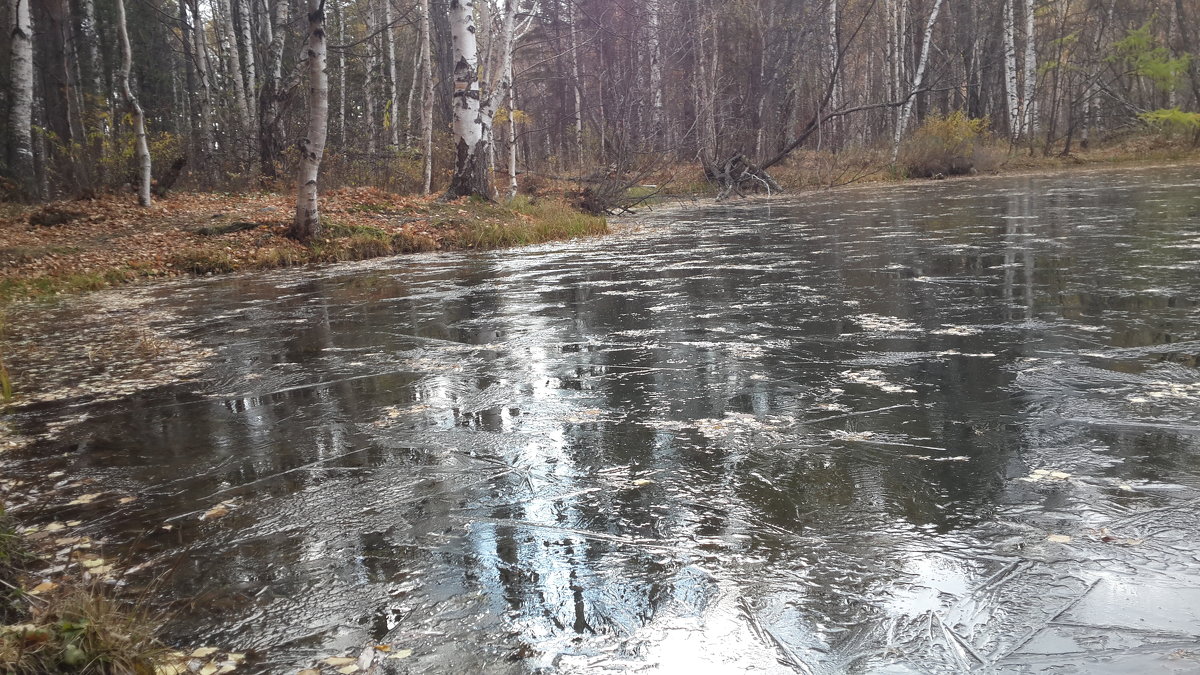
[922, 429]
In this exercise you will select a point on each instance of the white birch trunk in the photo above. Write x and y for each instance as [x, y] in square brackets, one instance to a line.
[412, 95]
[834, 99]
[369, 81]
[1012, 94]
[576, 86]
[918, 78]
[656, 71]
[307, 223]
[228, 44]
[1031, 74]
[200, 50]
[87, 25]
[20, 114]
[426, 99]
[341, 38]
[389, 53]
[470, 165]
[139, 119]
[250, 64]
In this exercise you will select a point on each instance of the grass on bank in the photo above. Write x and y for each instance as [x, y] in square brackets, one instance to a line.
[360, 224]
[77, 628]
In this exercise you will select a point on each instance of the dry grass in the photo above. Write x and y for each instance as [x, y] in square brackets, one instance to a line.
[83, 630]
[203, 234]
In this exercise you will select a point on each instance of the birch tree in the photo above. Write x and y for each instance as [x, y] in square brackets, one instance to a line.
[139, 119]
[228, 44]
[918, 78]
[20, 115]
[1029, 101]
[470, 176]
[1011, 90]
[307, 223]
[426, 100]
[393, 90]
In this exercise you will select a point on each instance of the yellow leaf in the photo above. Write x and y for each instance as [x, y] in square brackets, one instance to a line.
[401, 654]
[337, 661]
[97, 562]
[126, 500]
[44, 587]
[1058, 539]
[204, 652]
[352, 668]
[55, 527]
[85, 499]
[215, 512]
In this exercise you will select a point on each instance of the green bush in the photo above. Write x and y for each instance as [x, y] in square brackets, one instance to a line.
[949, 145]
[1173, 123]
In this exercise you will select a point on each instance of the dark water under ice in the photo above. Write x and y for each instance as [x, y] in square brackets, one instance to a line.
[919, 429]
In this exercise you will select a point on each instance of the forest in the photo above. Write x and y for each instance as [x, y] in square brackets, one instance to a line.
[471, 97]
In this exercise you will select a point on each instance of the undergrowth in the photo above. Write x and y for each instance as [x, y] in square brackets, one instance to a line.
[84, 630]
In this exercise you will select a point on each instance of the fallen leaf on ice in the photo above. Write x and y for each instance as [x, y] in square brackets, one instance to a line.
[85, 499]
[203, 652]
[1058, 539]
[217, 511]
[337, 661]
[401, 654]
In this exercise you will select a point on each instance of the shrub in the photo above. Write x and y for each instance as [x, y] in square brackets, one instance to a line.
[949, 145]
[1173, 123]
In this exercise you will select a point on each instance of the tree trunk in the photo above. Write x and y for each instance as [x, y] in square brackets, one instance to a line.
[228, 44]
[426, 98]
[307, 223]
[656, 72]
[470, 163]
[20, 115]
[918, 79]
[270, 122]
[200, 52]
[389, 53]
[139, 119]
[1030, 101]
[1011, 87]
[250, 65]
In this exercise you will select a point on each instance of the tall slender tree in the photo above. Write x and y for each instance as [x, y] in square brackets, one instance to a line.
[20, 113]
[139, 118]
[307, 223]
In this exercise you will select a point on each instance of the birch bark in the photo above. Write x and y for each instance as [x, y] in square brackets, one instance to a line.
[1012, 93]
[1031, 74]
[470, 163]
[139, 119]
[918, 78]
[20, 116]
[307, 223]
[426, 98]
